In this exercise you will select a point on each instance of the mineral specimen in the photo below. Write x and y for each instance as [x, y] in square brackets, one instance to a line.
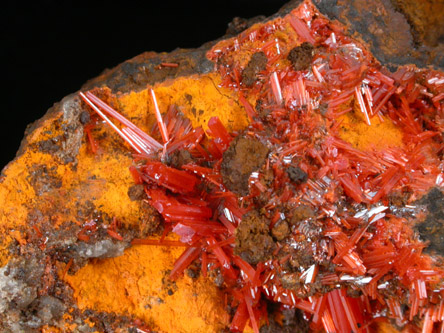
[288, 181]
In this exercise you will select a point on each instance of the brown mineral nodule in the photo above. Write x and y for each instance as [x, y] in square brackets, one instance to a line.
[301, 56]
[180, 157]
[244, 156]
[257, 63]
[136, 192]
[280, 230]
[297, 175]
[301, 213]
[253, 240]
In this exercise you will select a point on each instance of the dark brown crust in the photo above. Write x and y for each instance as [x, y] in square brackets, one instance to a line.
[386, 30]
[431, 230]
[425, 20]
[145, 69]
[286, 321]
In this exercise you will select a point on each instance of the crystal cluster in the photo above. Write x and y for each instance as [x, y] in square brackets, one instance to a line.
[332, 242]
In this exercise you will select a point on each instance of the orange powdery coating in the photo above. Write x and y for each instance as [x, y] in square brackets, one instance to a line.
[17, 194]
[199, 97]
[381, 134]
[108, 185]
[101, 179]
[137, 284]
[37, 181]
[50, 329]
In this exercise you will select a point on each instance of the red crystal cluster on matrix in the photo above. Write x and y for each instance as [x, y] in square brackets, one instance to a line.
[305, 219]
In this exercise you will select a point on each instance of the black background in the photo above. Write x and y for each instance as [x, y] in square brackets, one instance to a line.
[50, 48]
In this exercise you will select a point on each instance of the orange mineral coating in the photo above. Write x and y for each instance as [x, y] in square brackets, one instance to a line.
[50, 329]
[198, 97]
[380, 135]
[17, 195]
[97, 178]
[137, 284]
[20, 198]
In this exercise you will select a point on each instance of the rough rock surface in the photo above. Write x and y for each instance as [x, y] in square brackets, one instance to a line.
[55, 188]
